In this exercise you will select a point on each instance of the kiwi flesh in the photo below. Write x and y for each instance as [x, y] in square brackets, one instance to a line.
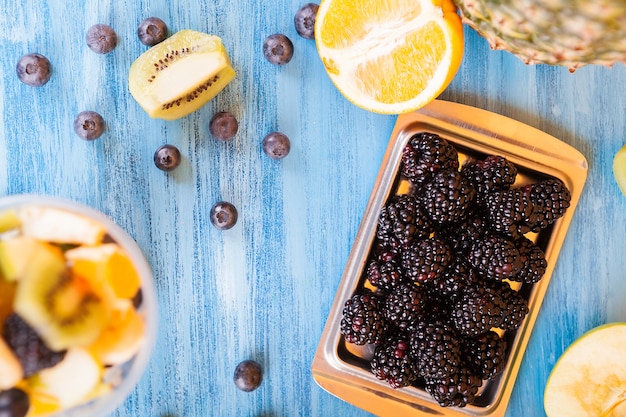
[63, 308]
[179, 75]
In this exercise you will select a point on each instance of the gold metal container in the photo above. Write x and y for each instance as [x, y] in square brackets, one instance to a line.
[342, 368]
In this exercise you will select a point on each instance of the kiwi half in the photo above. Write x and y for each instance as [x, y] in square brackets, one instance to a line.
[63, 308]
[179, 75]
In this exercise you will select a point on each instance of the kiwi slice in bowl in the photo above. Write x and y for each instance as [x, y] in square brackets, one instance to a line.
[65, 309]
[179, 75]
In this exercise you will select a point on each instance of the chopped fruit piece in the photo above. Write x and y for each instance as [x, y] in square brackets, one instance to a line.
[590, 377]
[88, 125]
[122, 337]
[60, 226]
[179, 75]
[248, 375]
[152, 31]
[63, 308]
[619, 169]
[41, 403]
[7, 289]
[16, 254]
[33, 70]
[101, 38]
[106, 263]
[73, 379]
[11, 371]
[393, 57]
[9, 221]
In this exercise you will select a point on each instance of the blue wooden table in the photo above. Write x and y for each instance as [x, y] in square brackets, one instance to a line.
[263, 289]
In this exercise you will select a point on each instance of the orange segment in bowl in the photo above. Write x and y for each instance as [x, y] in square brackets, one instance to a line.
[389, 56]
[106, 263]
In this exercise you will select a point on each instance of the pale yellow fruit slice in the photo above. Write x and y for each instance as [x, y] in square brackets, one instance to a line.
[179, 75]
[59, 226]
[389, 56]
[619, 169]
[9, 220]
[11, 371]
[589, 379]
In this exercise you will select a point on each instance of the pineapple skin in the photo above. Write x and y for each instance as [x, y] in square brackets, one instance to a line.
[570, 33]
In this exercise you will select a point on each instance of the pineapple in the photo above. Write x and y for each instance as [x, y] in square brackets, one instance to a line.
[571, 33]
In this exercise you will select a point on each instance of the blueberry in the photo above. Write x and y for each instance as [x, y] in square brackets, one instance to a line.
[88, 125]
[33, 70]
[223, 126]
[248, 375]
[276, 145]
[304, 20]
[167, 157]
[101, 38]
[152, 31]
[223, 215]
[13, 403]
[278, 49]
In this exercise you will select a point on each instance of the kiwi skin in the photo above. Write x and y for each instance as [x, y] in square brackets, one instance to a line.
[202, 51]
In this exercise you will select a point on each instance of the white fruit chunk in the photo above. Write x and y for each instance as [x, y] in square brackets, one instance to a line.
[590, 377]
[60, 226]
[11, 371]
[73, 379]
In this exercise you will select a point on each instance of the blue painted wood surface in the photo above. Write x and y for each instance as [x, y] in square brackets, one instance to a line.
[262, 290]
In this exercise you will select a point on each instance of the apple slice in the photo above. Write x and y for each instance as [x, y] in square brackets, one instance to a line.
[590, 377]
[60, 226]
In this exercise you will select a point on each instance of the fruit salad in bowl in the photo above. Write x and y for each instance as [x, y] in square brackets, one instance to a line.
[77, 309]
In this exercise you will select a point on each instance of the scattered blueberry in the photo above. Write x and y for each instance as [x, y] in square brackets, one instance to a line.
[152, 31]
[88, 125]
[14, 403]
[167, 157]
[101, 38]
[276, 145]
[223, 215]
[33, 70]
[278, 49]
[304, 20]
[223, 126]
[248, 375]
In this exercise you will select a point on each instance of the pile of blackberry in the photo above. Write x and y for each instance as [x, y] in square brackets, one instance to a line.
[443, 280]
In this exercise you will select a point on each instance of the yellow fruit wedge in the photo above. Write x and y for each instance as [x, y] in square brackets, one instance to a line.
[9, 220]
[589, 379]
[619, 169]
[389, 56]
[105, 264]
[180, 74]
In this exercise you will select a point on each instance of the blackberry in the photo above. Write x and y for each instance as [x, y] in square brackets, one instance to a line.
[426, 154]
[426, 259]
[401, 221]
[385, 273]
[30, 350]
[495, 257]
[477, 310]
[456, 390]
[437, 349]
[454, 279]
[362, 320]
[485, 354]
[535, 262]
[393, 363]
[510, 212]
[552, 199]
[516, 308]
[461, 237]
[447, 196]
[406, 306]
[490, 174]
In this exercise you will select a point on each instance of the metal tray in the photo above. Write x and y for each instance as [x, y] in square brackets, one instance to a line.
[342, 368]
